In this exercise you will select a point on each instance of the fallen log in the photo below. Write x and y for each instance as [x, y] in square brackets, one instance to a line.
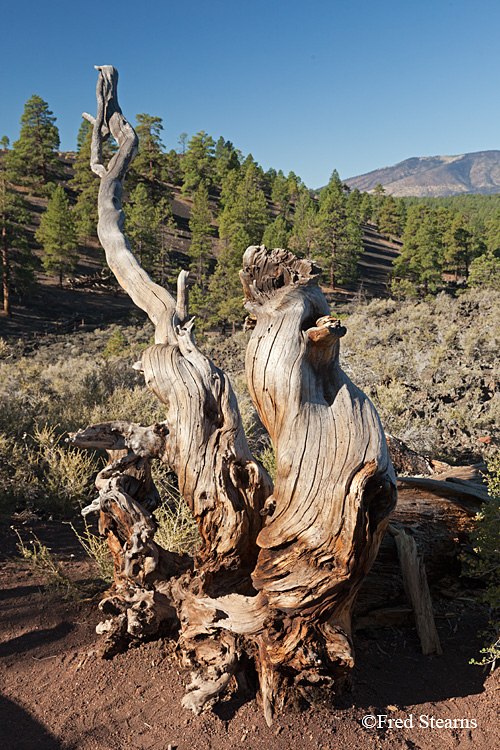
[417, 590]
[439, 518]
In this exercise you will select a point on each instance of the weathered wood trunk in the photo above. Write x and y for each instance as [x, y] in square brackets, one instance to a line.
[278, 568]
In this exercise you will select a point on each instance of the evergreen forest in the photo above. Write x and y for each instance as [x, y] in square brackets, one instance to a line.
[198, 207]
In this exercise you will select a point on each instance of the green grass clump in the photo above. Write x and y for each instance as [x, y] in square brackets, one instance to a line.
[96, 547]
[40, 558]
[177, 530]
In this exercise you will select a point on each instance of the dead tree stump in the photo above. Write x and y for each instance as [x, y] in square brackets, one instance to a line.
[278, 570]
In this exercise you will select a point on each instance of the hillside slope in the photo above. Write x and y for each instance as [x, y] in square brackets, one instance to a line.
[477, 172]
[87, 308]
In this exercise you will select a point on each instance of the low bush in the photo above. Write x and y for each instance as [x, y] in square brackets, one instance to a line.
[486, 564]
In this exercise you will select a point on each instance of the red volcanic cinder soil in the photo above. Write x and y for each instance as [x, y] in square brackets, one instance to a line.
[57, 694]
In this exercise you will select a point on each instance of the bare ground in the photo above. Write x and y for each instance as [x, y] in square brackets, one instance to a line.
[56, 693]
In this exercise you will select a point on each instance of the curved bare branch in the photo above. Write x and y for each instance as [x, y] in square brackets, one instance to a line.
[156, 301]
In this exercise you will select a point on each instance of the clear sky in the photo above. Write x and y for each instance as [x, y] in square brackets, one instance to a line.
[307, 86]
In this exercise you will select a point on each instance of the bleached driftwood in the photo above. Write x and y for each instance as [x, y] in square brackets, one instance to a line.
[278, 569]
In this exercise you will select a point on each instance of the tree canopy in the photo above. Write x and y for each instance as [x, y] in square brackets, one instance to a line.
[34, 158]
[57, 234]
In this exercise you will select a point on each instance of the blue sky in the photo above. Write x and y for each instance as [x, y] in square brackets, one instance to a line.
[304, 86]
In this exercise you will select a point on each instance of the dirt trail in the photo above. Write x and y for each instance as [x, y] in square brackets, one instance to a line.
[57, 694]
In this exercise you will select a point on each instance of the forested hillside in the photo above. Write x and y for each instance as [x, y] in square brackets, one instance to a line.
[198, 208]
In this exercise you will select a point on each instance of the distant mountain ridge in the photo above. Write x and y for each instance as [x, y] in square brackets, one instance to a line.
[425, 176]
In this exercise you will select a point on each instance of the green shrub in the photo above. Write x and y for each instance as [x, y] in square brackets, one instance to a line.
[65, 474]
[486, 540]
[117, 344]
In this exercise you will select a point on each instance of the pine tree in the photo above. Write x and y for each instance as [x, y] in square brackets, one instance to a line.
[201, 243]
[419, 267]
[493, 232]
[225, 297]
[241, 223]
[277, 234]
[33, 158]
[182, 141]
[142, 226]
[388, 217]
[340, 239]
[244, 215]
[366, 208]
[17, 262]
[306, 232]
[353, 204]
[377, 201]
[149, 164]
[294, 184]
[86, 183]
[173, 171]
[402, 212]
[280, 194]
[198, 164]
[256, 170]
[226, 158]
[458, 246]
[166, 232]
[57, 235]
[485, 271]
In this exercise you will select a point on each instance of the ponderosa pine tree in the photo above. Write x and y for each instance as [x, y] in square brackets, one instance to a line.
[166, 232]
[182, 141]
[366, 208]
[377, 201]
[419, 267]
[17, 262]
[226, 158]
[306, 234]
[388, 217]
[142, 226]
[4, 142]
[340, 233]
[242, 222]
[198, 163]
[402, 211]
[492, 232]
[173, 172]
[149, 164]
[277, 233]
[201, 242]
[33, 158]
[223, 301]
[57, 234]
[294, 184]
[280, 196]
[353, 204]
[256, 170]
[244, 215]
[458, 246]
[87, 185]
